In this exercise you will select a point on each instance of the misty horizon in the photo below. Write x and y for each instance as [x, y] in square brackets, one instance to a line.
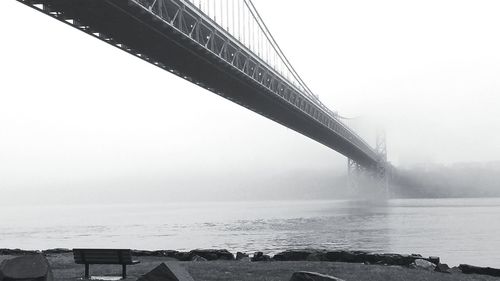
[118, 124]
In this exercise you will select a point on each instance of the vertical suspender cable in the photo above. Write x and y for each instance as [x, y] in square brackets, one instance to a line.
[243, 20]
[234, 25]
[268, 34]
[252, 33]
[221, 15]
[227, 15]
[239, 20]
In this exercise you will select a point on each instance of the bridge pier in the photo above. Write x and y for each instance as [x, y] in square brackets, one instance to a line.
[373, 180]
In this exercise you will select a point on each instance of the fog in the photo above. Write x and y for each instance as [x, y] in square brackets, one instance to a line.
[81, 121]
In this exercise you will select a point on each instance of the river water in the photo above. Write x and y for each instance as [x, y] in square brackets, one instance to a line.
[457, 230]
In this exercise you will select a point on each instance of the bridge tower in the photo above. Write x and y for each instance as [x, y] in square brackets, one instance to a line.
[382, 172]
[364, 179]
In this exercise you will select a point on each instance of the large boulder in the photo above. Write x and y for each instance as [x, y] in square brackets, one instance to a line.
[424, 264]
[347, 256]
[167, 272]
[312, 276]
[470, 269]
[259, 256]
[434, 260]
[443, 268]
[198, 258]
[16, 252]
[145, 253]
[298, 255]
[26, 268]
[212, 255]
[242, 256]
[371, 258]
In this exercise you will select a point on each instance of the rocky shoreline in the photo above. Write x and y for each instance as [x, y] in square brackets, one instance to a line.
[310, 255]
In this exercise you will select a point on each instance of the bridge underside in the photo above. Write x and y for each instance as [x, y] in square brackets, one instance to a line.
[128, 27]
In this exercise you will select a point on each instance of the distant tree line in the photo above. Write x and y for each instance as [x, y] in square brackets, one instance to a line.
[440, 181]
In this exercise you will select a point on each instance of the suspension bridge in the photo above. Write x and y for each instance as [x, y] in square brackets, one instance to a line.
[225, 47]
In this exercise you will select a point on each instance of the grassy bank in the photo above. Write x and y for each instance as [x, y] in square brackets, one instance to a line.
[64, 268]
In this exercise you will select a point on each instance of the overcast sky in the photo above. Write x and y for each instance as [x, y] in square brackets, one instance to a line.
[81, 116]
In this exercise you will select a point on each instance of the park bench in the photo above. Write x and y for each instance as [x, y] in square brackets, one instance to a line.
[104, 256]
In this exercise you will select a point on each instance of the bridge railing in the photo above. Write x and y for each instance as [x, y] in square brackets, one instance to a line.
[225, 38]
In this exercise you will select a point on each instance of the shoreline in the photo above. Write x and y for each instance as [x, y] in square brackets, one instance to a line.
[305, 256]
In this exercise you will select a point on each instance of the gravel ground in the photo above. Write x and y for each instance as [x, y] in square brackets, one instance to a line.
[64, 268]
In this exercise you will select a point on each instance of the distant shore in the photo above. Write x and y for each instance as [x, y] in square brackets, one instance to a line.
[224, 265]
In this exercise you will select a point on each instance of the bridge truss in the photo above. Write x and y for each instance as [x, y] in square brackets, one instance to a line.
[223, 46]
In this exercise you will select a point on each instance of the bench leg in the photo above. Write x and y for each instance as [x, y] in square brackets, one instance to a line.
[87, 273]
[124, 271]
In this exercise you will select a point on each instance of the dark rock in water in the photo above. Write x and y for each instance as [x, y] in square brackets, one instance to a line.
[259, 256]
[424, 264]
[198, 258]
[317, 256]
[159, 253]
[298, 255]
[443, 268]
[372, 258]
[212, 255]
[241, 256]
[292, 255]
[470, 269]
[182, 256]
[175, 254]
[401, 260]
[312, 276]
[16, 252]
[434, 260]
[167, 272]
[26, 268]
[57, 251]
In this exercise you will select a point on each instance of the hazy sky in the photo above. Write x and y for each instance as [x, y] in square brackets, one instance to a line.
[77, 114]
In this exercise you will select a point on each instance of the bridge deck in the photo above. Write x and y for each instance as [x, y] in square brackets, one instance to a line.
[218, 65]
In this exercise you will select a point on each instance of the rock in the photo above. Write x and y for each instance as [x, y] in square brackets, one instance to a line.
[371, 258]
[292, 255]
[16, 252]
[198, 258]
[319, 256]
[212, 255]
[434, 260]
[167, 272]
[27, 268]
[443, 268]
[57, 251]
[312, 276]
[182, 256]
[347, 256]
[158, 253]
[259, 256]
[424, 264]
[143, 253]
[470, 269]
[298, 255]
[241, 256]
